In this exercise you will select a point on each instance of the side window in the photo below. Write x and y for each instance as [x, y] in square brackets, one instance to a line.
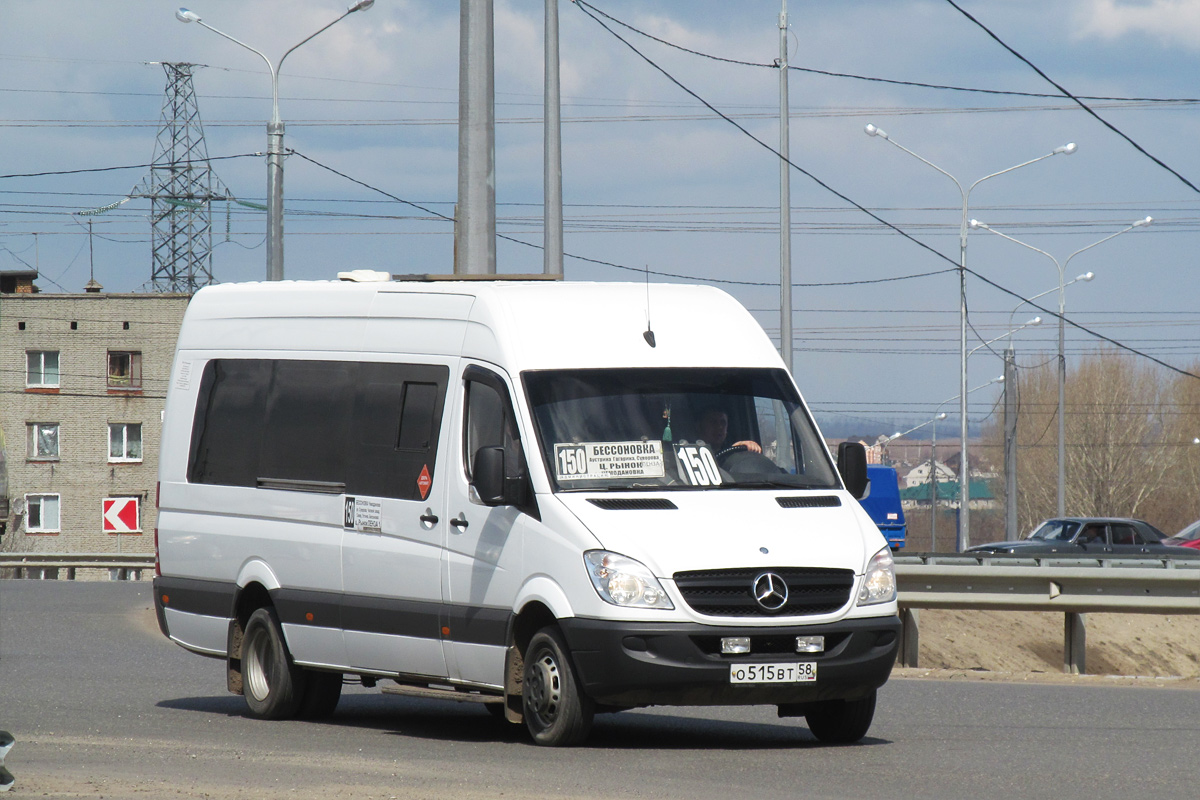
[308, 410]
[41, 369]
[42, 444]
[1093, 534]
[1124, 534]
[323, 426]
[489, 421]
[395, 430]
[484, 421]
[124, 369]
[227, 430]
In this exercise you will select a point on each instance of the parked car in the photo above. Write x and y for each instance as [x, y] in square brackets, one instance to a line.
[1089, 536]
[1188, 537]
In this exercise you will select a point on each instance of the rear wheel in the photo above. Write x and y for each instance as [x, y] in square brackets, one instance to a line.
[273, 685]
[557, 712]
[841, 721]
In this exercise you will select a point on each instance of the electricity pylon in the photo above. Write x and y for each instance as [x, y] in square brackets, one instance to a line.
[181, 187]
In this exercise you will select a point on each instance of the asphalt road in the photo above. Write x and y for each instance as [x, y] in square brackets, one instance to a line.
[102, 705]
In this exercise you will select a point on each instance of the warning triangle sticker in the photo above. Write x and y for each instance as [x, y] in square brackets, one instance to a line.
[424, 481]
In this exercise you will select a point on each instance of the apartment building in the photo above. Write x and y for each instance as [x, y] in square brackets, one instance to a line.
[83, 378]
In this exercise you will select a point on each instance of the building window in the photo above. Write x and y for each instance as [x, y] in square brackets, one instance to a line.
[124, 441]
[43, 441]
[42, 513]
[41, 369]
[124, 369]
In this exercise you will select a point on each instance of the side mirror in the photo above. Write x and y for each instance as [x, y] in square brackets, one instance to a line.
[489, 476]
[852, 466]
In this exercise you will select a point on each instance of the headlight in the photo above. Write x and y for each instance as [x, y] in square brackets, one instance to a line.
[879, 582]
[624, 582]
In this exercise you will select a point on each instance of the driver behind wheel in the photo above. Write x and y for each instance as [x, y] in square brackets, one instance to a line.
[714, 429]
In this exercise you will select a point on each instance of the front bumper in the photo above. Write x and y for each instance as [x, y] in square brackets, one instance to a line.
[641, 664]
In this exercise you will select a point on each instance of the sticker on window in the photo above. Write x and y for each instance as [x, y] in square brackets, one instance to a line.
[597, 461]
[697, 466]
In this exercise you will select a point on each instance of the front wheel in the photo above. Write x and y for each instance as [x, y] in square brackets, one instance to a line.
[321, 694]
[557, 712]
[273, 685]
[841, 721]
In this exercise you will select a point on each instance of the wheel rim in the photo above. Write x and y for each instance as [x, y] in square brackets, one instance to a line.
[545, 688]
[255, 667]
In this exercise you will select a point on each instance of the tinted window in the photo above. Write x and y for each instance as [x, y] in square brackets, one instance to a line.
[416, 416]
[1124, 534]
[370, 428]
[397, 417]
[227, 433]
[307, 418]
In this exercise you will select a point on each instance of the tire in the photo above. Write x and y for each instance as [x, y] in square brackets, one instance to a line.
[841, 721]
[557, 712]
[321, 695]
[272, 684]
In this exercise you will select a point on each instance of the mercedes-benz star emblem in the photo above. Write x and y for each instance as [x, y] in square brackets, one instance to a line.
[770, 591]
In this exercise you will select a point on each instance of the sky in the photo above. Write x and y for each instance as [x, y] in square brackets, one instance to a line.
[653, 180]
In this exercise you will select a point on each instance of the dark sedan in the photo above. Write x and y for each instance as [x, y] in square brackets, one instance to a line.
[1098, 536]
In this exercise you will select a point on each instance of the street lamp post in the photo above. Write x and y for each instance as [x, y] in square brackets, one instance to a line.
[1062, 359]
[274, 136]
[898, 434]
[964, 490]
[933, 464]
[1010, 419]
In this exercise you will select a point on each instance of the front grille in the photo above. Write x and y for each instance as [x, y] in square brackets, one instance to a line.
[730, 592]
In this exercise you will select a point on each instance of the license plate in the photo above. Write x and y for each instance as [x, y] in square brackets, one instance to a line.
[801, 672]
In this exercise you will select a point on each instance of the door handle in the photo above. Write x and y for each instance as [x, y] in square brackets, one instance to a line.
[460, 522]
[429, 519]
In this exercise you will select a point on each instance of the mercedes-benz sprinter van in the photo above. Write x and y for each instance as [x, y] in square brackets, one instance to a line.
[555, 499]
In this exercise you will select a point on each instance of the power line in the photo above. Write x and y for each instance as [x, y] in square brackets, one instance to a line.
[1077, 100]
[892, 81]
[587, 9]
[49, 173]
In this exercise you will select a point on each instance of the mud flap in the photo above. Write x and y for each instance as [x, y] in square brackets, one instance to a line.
[233, 663]
[514, 678]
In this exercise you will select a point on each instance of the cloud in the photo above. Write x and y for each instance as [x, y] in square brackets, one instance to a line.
[1174, 22]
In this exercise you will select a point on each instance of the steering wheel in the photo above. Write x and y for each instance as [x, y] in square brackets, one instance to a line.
[728, 451]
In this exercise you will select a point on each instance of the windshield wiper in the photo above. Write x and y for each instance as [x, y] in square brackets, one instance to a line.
[772, 483]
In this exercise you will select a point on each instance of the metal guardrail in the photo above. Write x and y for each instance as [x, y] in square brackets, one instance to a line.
[1072, 585]
[121, 566]
[1069, 584]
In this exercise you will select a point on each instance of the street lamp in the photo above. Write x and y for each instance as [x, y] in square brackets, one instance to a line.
[274, 136]
[1033, 323]
[898, 434]
[1085, 278]
[964, 490]
[1010, 418]
[1062, 359]
[933, 463]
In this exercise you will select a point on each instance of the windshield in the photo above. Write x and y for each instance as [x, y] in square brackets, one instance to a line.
[1055, 530]
[628, 429]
